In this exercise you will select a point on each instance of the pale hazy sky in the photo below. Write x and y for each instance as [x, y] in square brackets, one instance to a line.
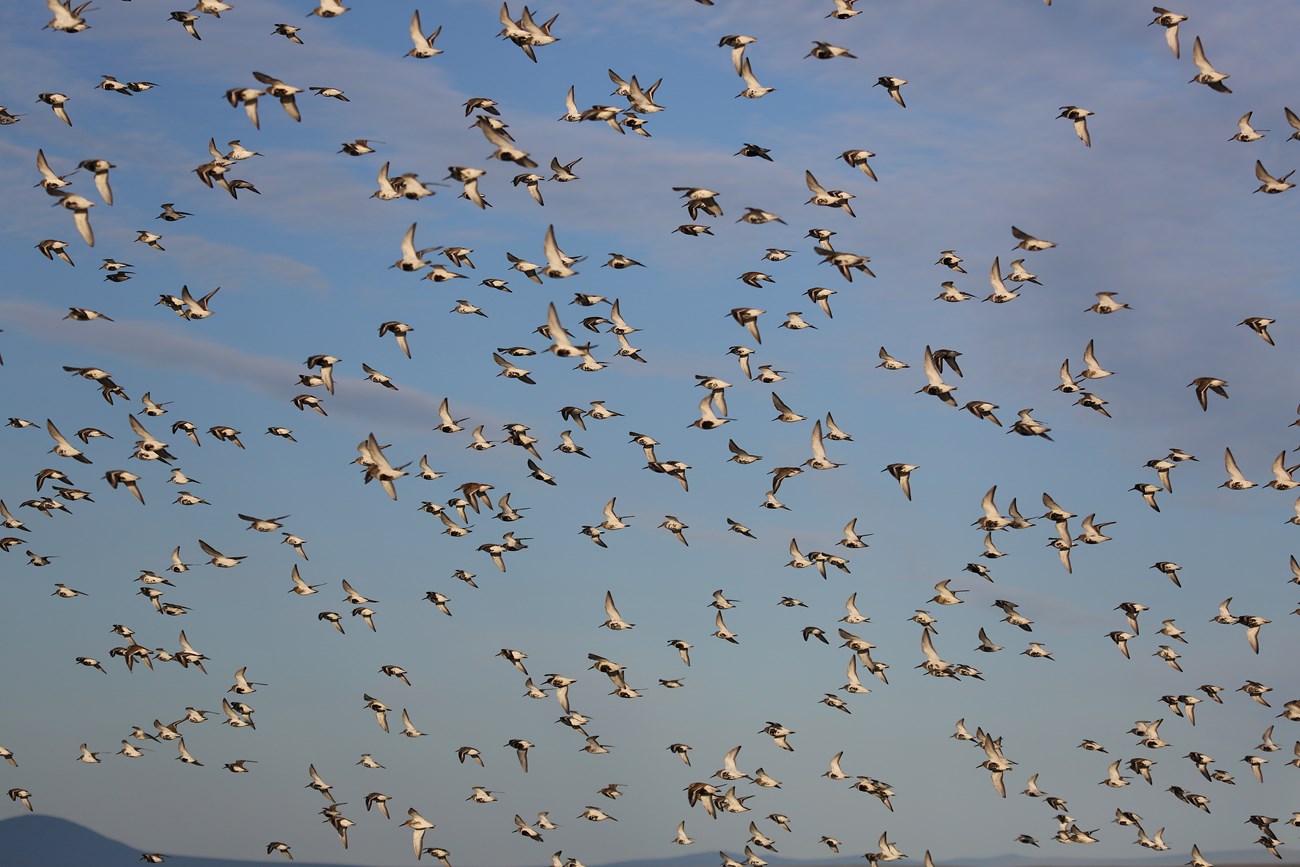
[1159, 210]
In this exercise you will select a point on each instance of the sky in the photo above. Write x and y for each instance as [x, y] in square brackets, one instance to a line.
[1160, 210]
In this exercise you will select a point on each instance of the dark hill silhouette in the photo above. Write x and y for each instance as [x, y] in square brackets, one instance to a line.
[47, 841]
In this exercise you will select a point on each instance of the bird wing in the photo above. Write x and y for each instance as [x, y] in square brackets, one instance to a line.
[1081, 130]
[990, 510]
[1090, 357]
[101, 184]
[816, 188]
[556, 330]
[995, 277]
[386, 187]
[818, 448]
[417, 32]
[927, 647]
[81, 218]
[408, 240]
[616, 315]
[43, 166]
[59, 438]
[931, 369]
[1230, 463]
[382, 467]
[1066, 379]
[1198, 57]
[1292, 118]
[554, 258]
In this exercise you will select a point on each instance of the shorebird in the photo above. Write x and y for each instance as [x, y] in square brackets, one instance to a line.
[894, 86]
[1268, 183]
[423, 48]
[1245, 132]
[1080, 117]
[1206, 384]
[1206, 74]
[418, 825]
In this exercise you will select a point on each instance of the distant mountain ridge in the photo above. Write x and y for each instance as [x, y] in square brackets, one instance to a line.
[1237, 858]
[49, 841]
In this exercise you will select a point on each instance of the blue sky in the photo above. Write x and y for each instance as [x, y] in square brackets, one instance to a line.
[1159, 210]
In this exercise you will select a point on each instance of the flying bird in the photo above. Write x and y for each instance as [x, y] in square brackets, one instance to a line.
[1169, 21]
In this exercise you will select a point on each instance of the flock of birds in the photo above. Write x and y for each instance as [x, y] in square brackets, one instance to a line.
[63, 489]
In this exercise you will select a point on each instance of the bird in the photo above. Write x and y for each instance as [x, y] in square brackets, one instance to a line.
[753, 89]
[150, 239]
[1245, 132]
[613, 620]
[330, 92]
[1036, 651]
[1283, 479]
[58, 104]
[1259, 325]
[1169, 21]
[826, 51]
[289, 31]
[418, 825]
[888, 362]
[1206, 384]
[903, 474]
[22, 796]
[50, 248]
[1029, 426]
[221, 561]
[399, 330]
[127, 479]
[1268, 184]
[1106, 303]
[1080, 118]
[1092, 369]
[423, 46]
[1207, 74]
[934, 381]
[1236, 481]
[1029, 242]
[521, 748]
[281, 90]
[563, 172]
[183, 754]
[527, 831]
[62, 447]
[894, 86]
